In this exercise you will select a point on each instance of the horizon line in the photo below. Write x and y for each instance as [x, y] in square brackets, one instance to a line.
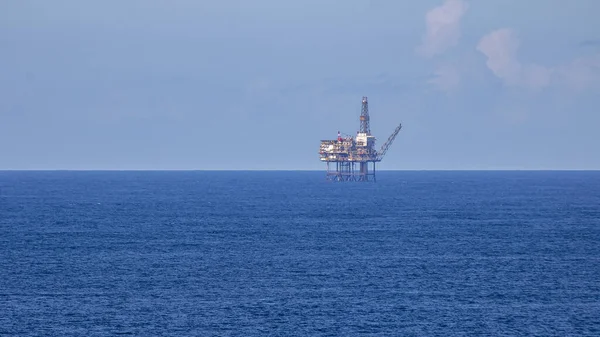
[286, 170]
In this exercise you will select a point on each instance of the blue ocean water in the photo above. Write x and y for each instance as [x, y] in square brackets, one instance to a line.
[286, 253]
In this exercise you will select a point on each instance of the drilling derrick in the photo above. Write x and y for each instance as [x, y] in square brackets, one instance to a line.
[343, 154]
[364, 117]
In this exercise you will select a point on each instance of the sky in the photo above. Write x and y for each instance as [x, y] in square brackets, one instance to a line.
[236, 84]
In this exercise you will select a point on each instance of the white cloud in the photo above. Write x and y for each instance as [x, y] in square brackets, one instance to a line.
[443, 27]
[500, 47]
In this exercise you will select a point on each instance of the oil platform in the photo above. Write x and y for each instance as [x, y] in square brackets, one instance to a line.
[353, 158]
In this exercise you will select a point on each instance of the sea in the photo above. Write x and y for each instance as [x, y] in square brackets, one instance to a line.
[286, 253]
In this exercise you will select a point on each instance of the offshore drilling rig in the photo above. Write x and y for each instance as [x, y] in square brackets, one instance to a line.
[346, 152]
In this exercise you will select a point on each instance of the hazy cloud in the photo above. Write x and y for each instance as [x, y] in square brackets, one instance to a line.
[581, 73]
[500, 47]
[447, 78]
[443, 27]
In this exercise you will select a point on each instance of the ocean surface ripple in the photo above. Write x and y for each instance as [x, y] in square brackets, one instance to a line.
[286, 253]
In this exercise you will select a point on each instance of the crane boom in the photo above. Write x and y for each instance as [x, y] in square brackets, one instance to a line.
[388, 143]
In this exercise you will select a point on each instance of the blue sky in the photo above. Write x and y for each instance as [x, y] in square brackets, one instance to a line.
[235, 84]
